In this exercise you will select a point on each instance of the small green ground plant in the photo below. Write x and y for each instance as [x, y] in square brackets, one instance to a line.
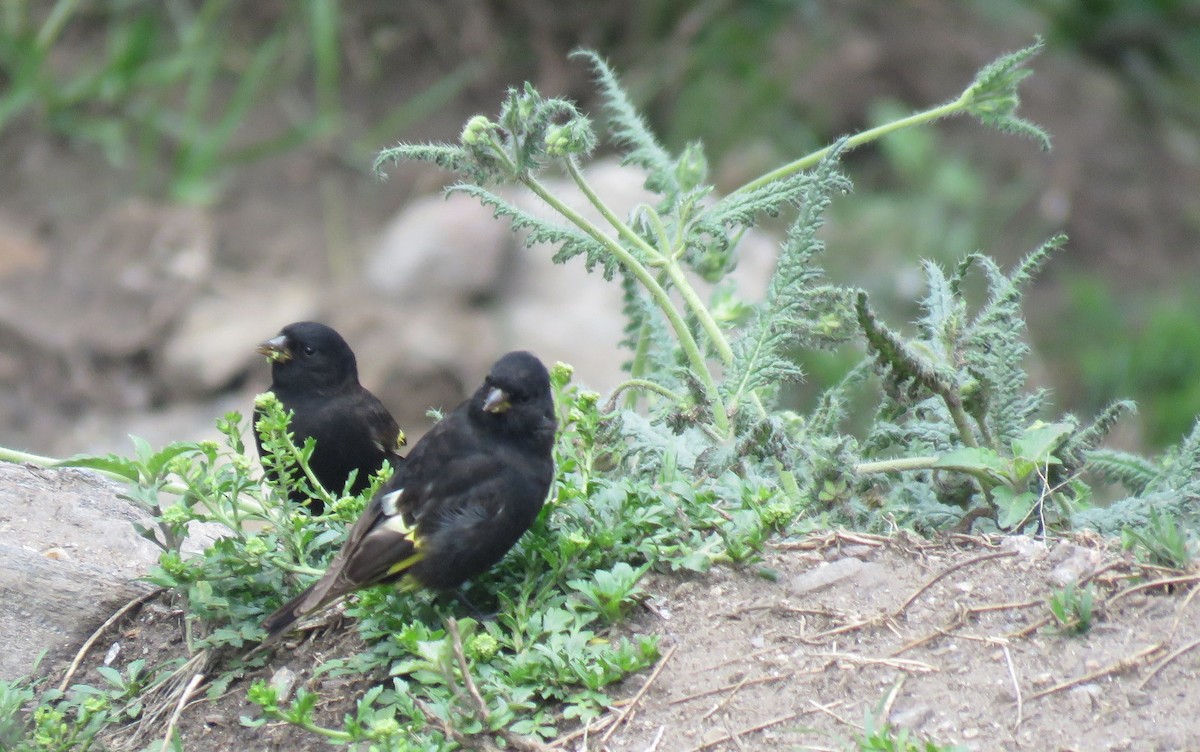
[881, 736]
[1073, 609]
[690, 463]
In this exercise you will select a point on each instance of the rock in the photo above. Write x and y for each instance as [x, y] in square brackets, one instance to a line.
[1138, 698]
[20, 252]
[911, 718]
[441, 246]
[210, 348]
[119, 290]
[823, 576]
[1025, 546]
[283, 681]
[55, 603]
[1072, 567]
[859, 551]
[453, 254]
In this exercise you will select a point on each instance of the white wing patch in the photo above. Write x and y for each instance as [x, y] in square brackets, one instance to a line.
[391, 503]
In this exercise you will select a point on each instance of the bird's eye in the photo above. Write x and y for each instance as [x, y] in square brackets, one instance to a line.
[310, 350]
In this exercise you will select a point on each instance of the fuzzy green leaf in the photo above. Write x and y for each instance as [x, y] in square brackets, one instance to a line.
[993, 98]
[630, 130]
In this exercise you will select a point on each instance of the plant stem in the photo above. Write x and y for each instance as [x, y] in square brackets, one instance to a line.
[17, 457]
[665, 258]
[897, 465]
[954, 405]
[645, 384]
[308, 725]
[657, 293]
[865, 137]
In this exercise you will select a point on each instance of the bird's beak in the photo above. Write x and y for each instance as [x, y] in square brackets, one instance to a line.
[276, 349]
[496, 401]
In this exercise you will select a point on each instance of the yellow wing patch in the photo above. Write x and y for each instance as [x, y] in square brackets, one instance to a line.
[404, 564]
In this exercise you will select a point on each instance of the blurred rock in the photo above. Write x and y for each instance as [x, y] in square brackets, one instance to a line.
[20, 253]
[209, 347]
[117, 291]
[451, 252]
[823, 576]
[440, 247]
[1073, 563]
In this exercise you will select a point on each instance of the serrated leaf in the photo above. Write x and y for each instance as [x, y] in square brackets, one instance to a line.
[974, 460]
[1014, 507]
[110, 464]
[1039, 442]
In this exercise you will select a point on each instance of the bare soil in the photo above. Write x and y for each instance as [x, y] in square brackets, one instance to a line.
[949, 639]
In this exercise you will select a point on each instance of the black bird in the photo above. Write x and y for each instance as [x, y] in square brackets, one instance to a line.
[315, 375]
[466, 493]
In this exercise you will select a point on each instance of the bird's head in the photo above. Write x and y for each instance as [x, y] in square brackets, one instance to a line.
[517, 393]
[309, 355]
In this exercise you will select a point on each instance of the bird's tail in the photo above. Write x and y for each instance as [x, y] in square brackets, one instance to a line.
[280, 622]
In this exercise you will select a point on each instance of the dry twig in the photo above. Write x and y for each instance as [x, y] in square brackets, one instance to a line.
[725, 701]
[516, 741]
[1012, 674]
[83, 651]
[828, 710]
[598, 724]
[657, 738]
[1113, 668]
[735, 685]
[1170, 657]
[896, 663]
[950, 570]
[192, 684]
[1179, 612]
[752, 729]
[892, 694]
[631, 708]
[1164, 582]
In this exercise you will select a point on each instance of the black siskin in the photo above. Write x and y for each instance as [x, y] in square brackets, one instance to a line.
[467, 492]
[315, 375]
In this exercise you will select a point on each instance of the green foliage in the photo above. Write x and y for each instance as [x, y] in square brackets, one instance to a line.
[166, 84]
[956, 395]
[958, 391]
[992, 96]
[1072, 607]
[1162, 542]
[610, 593]
[1113, 342]
[880, 736]
[74, 720]
[1153, 44]
[15, 696]
[1167, 487]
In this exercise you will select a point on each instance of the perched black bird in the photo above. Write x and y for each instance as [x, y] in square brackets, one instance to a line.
[467, 492]
[314, 374]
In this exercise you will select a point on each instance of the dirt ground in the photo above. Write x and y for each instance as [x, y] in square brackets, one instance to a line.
[951, 640]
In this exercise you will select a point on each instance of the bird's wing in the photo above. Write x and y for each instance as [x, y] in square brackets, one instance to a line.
[385, 433]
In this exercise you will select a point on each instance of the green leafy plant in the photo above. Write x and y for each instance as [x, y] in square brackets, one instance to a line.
[166, 85]
[1072, 609]
[1163, 542]
[880, 736]
[1164, 487]
[610, 593]
[730, 409]
[73, 720]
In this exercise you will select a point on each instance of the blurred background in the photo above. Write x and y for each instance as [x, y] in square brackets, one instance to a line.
[181, 178]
